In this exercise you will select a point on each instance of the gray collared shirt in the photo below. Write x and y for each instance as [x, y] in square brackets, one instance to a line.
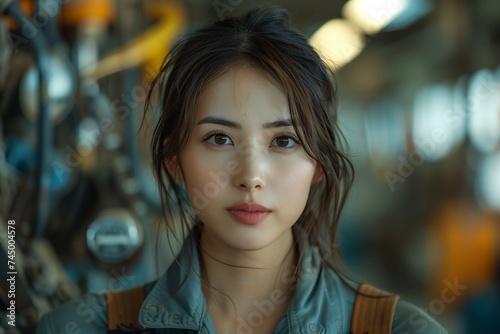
[322, 303]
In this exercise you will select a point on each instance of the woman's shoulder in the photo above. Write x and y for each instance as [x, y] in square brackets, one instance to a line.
[410, 319]
[372, 303]
[87, 314]
[331, 290]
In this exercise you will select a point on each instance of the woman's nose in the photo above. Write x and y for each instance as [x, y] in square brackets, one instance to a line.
[252, 174]
[251, 183]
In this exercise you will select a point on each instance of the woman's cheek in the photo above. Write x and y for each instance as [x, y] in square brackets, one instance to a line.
[202, 174]
[295, 170]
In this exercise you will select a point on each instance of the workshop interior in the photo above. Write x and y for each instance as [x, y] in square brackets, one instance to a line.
[419, 104]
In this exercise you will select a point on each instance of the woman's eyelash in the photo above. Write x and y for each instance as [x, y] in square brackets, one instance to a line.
[288, 134]
[284, 142]
[214, 132]
[222, 133]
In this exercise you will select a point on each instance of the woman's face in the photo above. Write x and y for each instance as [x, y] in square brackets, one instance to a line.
[246, 174]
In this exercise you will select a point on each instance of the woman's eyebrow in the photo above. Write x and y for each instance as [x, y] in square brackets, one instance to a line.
[219, 121]
[280, 123]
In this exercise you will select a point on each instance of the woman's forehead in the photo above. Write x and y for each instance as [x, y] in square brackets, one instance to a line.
[243, 92]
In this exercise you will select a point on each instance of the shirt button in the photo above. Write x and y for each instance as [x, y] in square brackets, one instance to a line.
[153, 309]
[312, 327]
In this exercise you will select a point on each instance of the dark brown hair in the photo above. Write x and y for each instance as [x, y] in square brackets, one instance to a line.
[264, 40]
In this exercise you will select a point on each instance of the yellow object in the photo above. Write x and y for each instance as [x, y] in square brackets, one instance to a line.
[150, 48]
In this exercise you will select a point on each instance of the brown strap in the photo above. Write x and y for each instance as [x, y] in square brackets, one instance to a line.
[124, 307]
[373, 311]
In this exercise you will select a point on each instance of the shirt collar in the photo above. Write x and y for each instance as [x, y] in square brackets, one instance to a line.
[320, 302]
[186, 309]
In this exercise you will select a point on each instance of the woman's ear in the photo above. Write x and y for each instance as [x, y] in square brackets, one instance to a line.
[173, 168]
[319, 174]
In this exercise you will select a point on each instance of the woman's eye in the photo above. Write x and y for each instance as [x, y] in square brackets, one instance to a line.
[219, 139]
[284, 142]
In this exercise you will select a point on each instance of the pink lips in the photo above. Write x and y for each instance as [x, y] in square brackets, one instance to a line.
[249, 213]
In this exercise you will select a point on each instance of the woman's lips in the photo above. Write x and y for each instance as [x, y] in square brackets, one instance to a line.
[249, 217]
[249, 213]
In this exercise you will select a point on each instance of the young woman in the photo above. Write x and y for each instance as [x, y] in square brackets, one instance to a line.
[247, 131]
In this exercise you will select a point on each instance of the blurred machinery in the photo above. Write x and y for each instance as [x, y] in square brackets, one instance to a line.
[78, 205]
[419, 91]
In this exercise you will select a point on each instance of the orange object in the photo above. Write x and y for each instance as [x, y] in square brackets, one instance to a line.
[27, 9]
[76, 12]
[468, 239]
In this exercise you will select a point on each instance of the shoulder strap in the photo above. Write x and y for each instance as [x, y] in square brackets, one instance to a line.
[123, 309]
[373, 311]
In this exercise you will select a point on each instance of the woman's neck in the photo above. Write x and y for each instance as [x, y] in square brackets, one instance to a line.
[239, 282]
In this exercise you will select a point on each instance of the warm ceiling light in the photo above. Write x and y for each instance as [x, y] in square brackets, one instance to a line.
[371, 16]
[337, 41]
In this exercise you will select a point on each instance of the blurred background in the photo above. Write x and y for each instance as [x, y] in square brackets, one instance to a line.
[419, 92]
